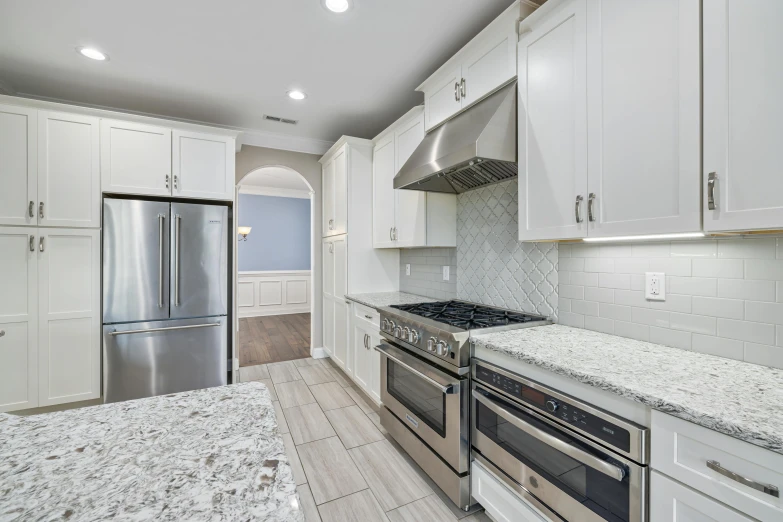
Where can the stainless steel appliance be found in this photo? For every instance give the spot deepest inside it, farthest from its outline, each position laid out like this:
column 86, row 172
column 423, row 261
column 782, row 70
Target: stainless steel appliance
column 425, row 367
column 570, row 460
column 477, row 147
column 165, row 297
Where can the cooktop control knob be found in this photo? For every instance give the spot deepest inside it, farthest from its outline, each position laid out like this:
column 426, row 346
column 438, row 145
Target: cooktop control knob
column 397, row 331
column 413, row 337
column 552, row 406
column 385, row 325
column 406, row 333
column 431, row 344
column 391, row 326
column 442, row 348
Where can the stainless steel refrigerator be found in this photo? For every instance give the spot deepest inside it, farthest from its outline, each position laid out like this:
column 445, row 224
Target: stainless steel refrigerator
column 165, row 298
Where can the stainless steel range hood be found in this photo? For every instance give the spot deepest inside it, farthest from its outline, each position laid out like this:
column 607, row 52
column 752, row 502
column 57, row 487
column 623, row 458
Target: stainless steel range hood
column 476, row 148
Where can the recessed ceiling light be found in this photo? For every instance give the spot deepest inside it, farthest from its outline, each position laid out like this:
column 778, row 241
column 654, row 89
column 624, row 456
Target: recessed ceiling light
column 337, row 6
column 93, row 54
column 296, row 95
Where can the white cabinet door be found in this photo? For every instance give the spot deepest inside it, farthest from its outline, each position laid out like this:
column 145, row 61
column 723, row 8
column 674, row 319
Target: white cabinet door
column 743, row 127
column 361, row 367
column 329, row 325
column 327, row 252
column 328, row 199
column 340, row 267
column 18, row 168
column 69, row 179
column 490, row 63
column 18, row 313
column 375, row 366
column 340, row 187
column 69, row 317
column 135, row 158
column 670, row 501
column 442, row 100
column 203, row 166
column 411, row 205
column 552, row 127
column 341, row 352
column 383, row 173
column 644, row 125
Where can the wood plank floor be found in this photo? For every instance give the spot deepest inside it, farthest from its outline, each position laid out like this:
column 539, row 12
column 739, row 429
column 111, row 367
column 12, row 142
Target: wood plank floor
column 273, row 338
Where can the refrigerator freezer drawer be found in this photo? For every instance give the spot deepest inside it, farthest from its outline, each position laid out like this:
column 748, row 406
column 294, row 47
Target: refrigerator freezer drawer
column 160, row 357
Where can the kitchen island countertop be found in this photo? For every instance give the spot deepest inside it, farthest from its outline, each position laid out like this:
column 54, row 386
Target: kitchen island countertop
column 214, row 454
column 380, row 299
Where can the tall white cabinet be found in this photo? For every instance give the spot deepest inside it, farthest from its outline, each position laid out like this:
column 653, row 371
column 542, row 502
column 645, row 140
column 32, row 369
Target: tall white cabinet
column 18, row 167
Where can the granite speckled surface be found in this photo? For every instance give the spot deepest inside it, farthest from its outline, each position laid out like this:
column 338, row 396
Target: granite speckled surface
column 381, row 299
column 213, row 454
column 739, row 399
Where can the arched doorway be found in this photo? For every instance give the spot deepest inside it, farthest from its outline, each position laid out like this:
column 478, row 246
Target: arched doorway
column 275, row 263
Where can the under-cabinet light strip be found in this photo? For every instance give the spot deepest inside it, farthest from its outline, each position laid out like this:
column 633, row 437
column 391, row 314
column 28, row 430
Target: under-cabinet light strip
column 651, row 237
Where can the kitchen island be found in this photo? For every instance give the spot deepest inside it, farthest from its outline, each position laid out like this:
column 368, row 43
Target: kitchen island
column 212, row 454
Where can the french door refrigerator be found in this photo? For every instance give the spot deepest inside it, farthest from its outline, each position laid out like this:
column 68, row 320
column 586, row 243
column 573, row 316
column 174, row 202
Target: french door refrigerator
column 165, row 281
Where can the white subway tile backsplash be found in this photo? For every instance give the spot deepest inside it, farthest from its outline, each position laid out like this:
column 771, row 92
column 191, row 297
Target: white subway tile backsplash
column 564, row 251
column 571, row 264
column 584, row 307
column 751, row 289
column 601, row 295
column 584, row 278
column 717, row 307
column 631, row 265
column 599, row 324
column 619, row 281
column 673, row 302
column 571, row 292
column 650, row 317
column 564, row 305
column 703, row 248
column 764, row 269
column 747, row 331
column 616, row 312
column 651, row 250
column 762, row 354
column 764, row 312
column 632, row 331
column 614, row 251
column 593, row 264
column 719, row 346
column 704, row 286
column 584, row 250
column 779, row 292
column 726, row 268
column 747, row 248
column 564, row 278
column 571, row 319
column 779, row 335
column 673, row 266
column 693, row 323
column 637, row 281
column 674, row 338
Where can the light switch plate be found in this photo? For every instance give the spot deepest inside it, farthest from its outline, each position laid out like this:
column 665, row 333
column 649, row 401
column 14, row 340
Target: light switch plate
column 446, row 273
column 655, row 286
column 408, row 269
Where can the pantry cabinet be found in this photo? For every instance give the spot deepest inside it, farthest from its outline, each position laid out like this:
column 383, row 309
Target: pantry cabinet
column 335, row 193
column 135, row 158
column 743, row 127
column 407, row 218
column 18, row 169
column 609, row 126
column 335, row 286
column 203, row 166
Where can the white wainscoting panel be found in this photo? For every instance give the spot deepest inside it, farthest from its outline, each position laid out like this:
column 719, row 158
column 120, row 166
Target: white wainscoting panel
column 273, row 293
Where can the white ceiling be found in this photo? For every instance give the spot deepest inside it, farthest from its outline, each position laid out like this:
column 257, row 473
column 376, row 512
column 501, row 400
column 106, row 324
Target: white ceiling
column 228, row 63
column 275, row 177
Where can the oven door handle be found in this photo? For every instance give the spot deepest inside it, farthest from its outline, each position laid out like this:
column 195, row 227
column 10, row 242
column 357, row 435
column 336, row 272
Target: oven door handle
column 610, row 470
column 447, row 389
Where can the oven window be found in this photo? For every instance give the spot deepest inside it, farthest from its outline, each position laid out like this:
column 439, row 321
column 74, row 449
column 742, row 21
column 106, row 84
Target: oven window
column 601, row 494
column 423, row 399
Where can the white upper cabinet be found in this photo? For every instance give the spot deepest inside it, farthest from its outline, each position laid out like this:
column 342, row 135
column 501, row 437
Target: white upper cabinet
column 486, row 63
column 69, row 319
column 135, row 158
column 69, row 181
column 383, row 218
column 644, row 117
column 18, row 313
column 743, row 115
column 410, row 205
column 203, row 166
column 18, row 169
column 553, row 127
column 335, row 194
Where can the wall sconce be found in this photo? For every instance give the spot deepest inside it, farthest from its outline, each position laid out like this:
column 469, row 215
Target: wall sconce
column 244, row 231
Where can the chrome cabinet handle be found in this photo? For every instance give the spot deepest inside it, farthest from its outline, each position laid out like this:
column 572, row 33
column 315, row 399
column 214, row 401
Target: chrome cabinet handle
column 32, row 243
column 711, row 179
column 31, row 209
column 177, row 221
column 368, row 317
column 769, row 489
column 331, row 248
column 167, row 181
column 396, row 237
column 578, row 209
column 331, row 224
column 41, row 245
column 175, row 182
column 456, row 91
column 610, row 470
column 462, row 88
column 161, row 268
column 41, row 209
column 590, row 199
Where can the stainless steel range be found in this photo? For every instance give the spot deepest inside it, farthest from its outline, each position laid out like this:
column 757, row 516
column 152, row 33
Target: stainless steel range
column 425, row 382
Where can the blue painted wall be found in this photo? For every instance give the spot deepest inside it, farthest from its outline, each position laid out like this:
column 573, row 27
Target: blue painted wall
column 280, row 239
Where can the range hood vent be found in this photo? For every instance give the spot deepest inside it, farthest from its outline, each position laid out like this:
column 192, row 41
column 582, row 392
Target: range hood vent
column 476, row 148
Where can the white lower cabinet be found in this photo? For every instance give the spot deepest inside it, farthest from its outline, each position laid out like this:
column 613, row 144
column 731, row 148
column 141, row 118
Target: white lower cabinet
column 341, row 349
column 362, row 372
column 670, row 501
column 364, row 327
column 498, row 500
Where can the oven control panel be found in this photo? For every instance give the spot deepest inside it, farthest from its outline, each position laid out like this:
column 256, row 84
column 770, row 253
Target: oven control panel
column 557, row 407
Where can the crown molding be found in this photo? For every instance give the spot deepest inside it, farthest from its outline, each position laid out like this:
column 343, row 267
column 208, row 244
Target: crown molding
column 276, row 192
column 274, row 140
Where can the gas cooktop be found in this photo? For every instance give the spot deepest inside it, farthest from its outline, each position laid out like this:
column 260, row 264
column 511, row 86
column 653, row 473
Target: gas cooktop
column 468, row 316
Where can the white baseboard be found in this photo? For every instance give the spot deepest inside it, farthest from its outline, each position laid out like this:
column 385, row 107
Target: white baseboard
column 279, row 311
column 319, row 353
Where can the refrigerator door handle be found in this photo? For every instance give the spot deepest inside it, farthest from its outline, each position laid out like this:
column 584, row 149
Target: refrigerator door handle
column 177, row 220
column 167, row 329
column 161, row 268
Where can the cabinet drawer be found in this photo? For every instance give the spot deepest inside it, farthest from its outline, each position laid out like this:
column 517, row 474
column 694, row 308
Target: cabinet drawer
column 670, row 501
column 681, row 450
column 497, row 499
column 368, row 314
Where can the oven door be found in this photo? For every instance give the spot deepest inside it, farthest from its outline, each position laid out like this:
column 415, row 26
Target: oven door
column 572, row 475
column 430, row 402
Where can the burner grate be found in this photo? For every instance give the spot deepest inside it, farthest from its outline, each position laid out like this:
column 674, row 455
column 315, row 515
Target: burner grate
column 468, row 316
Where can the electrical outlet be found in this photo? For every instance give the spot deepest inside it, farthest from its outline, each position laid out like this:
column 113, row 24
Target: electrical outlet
column 408, row 269
column 445, row 273
column 655, row 286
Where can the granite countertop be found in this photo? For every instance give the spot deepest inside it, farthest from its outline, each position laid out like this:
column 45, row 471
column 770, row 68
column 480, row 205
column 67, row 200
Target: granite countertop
column 381, row 299
column 736, row 398
column 213, row 454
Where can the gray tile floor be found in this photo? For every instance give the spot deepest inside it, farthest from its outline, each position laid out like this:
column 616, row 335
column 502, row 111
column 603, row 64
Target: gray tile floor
column 345, row 465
